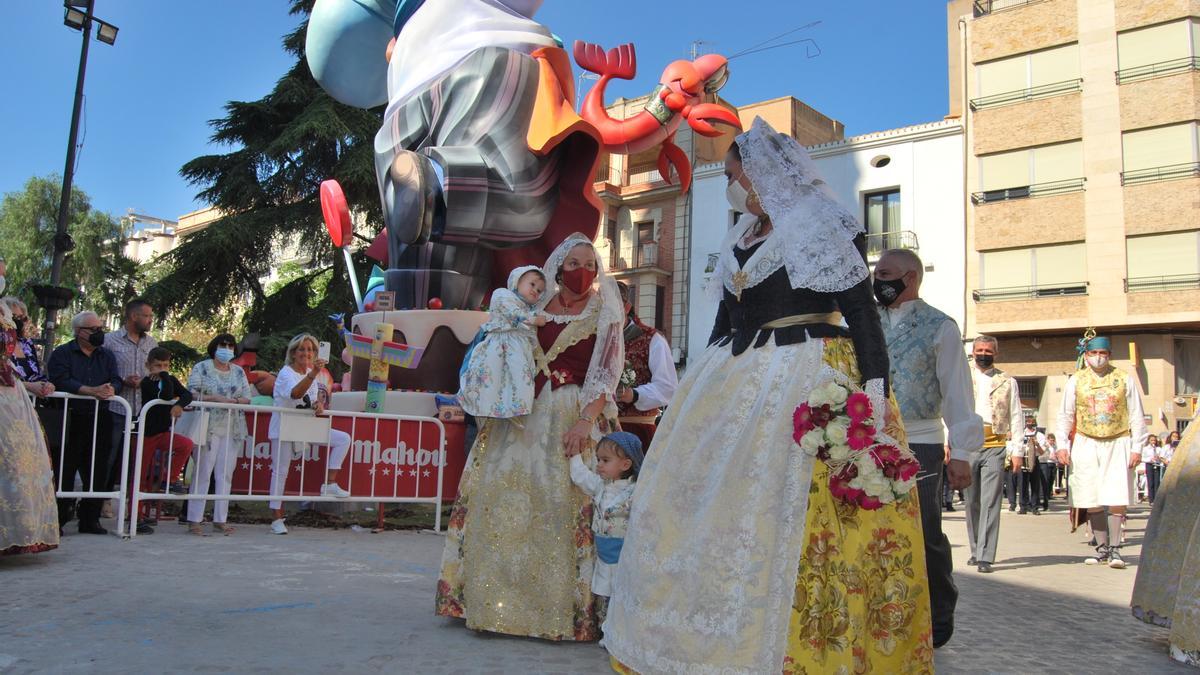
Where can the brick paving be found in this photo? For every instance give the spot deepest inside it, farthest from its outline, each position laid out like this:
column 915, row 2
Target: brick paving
column 339, row 601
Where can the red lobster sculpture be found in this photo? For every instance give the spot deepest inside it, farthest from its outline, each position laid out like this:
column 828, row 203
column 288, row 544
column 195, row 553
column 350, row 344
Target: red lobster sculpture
column 678, row 97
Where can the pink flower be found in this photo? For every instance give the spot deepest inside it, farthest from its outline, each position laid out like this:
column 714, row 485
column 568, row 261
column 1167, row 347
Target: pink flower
column 858, row 406
column 885, row 456
column 908, row 468
column 802, row 421
column 860, row 436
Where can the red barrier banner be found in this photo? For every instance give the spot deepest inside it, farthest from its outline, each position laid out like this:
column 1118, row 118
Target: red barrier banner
column 387, row 458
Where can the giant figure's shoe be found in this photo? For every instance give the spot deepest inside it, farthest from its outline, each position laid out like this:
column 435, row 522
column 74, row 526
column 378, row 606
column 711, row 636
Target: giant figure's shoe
column 410, row 196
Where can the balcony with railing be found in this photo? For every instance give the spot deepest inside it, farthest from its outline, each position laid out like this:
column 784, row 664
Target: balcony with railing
column 1028, row 94
column 645, row 257
column 985, row 7
column 1024, row 191
column 1160, row 173
column 1151, row 70
column 1029, row 292
column 1170, row 282
column 879, row 242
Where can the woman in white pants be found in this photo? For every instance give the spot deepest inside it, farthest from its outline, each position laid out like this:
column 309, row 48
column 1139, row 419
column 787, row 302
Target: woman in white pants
column 216, row 381
column 296, row 386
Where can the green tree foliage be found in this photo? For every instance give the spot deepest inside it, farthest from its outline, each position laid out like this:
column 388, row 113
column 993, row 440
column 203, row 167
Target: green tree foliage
column 281, row 147
column 97, row 270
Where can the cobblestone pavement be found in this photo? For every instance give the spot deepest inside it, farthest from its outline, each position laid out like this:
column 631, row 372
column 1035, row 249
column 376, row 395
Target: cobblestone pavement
column 339, row 601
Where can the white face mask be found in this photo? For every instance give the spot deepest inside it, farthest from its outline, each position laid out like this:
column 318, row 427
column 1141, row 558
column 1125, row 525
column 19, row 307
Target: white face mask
column 3, row 285
column 737, row 195
column 1097, row 361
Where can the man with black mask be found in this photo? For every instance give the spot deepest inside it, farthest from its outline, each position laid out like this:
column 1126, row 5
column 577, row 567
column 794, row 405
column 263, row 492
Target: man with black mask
column 932, row 383
column 998, row 402
column 84, row 367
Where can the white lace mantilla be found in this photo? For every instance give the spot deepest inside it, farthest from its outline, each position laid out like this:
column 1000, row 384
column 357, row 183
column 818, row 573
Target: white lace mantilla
column 812, row 234
column 608, row 356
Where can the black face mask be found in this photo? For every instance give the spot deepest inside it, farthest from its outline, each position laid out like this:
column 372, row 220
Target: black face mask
column 886, row 292
column 96, row 338
column 984, row 360
column 20, row 324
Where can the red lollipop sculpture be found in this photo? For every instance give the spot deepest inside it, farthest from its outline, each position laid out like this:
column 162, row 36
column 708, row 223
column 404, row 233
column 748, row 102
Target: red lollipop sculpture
column 341, row 230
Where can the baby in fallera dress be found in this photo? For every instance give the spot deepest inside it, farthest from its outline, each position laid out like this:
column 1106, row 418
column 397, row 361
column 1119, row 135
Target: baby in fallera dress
column 497, row 375
column 618, row 459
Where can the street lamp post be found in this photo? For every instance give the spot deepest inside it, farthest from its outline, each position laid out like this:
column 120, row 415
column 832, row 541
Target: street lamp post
column 53, row 297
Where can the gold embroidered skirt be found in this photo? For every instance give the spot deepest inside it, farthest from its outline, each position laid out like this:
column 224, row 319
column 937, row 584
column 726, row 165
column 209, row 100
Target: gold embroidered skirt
column 1167, row 590
column 519, row 548
column 28, row 512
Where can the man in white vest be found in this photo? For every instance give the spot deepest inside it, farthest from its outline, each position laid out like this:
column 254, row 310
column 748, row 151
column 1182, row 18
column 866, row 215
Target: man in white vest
column 1104, row 407
column 932, row 383
column 998, row 403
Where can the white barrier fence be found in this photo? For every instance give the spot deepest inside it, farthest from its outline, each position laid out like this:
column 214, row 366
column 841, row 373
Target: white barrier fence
column 372, row 471
column 93, row 417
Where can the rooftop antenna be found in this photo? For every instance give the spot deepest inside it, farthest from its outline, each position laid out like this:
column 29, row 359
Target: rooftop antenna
column 812, row 50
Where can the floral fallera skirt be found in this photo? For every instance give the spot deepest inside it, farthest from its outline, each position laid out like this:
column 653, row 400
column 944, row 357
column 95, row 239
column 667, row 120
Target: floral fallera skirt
column 519, row 548
column 28, row 512
column 780, row 576
column 1167, row 590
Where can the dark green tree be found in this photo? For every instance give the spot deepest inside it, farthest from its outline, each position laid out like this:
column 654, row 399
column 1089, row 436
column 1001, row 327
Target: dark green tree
column 281, row 147
column 97, row 270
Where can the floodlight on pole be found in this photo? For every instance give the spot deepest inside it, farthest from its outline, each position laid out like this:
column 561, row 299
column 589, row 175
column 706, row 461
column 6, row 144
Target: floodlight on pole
column 52, row 297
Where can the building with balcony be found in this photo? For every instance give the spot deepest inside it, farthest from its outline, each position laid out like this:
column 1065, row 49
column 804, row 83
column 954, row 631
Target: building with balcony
column 646, row 236
column 1083, row 169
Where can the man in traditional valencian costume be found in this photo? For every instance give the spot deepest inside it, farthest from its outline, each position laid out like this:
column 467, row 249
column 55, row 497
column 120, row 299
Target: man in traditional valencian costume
column 932, row 383
column 648, row 355
column 998, row 403
column 1104, row 407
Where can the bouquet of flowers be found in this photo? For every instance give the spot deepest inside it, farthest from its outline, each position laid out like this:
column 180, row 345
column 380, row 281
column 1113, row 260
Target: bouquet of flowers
column 837, row 426
column 628, row 377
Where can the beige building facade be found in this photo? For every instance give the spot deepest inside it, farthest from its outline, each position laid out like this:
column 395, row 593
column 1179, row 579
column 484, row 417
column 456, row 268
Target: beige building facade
column 1083, row 172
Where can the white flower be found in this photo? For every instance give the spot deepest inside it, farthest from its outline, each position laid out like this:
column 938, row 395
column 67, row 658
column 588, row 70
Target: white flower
column 836, row 430
column 876, row 484
column 839, row 453
column 831, row 394
column 812, row 441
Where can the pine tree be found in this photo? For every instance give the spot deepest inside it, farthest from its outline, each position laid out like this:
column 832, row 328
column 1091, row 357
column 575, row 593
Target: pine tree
column 282, row 146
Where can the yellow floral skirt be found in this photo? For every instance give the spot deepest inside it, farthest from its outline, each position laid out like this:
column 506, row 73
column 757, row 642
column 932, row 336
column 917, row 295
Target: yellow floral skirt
column 862, row 593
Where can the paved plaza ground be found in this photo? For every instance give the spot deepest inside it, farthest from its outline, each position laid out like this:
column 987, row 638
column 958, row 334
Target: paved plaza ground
column 338, row 601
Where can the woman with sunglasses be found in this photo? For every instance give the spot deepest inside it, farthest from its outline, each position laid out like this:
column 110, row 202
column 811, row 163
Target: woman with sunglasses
column 216, row 380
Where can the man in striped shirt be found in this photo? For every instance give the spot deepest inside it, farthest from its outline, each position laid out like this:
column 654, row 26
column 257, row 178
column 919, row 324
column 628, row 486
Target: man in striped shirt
column 131, row 345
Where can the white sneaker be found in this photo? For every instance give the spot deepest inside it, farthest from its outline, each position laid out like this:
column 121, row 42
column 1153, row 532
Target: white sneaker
column 277, row 526
column 334, row 490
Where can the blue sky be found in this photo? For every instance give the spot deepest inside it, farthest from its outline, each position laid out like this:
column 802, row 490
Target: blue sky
column 882, row 64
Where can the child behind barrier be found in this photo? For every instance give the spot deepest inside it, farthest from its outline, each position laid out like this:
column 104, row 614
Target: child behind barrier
column 161, row 449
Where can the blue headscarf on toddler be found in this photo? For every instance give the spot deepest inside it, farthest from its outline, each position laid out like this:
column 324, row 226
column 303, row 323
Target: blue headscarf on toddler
column 630, row 445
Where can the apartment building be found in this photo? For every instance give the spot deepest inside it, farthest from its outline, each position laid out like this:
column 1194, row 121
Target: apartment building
column 1083, row 168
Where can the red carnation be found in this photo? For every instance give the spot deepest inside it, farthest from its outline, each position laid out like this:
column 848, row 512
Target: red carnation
column 821, row 415
column 802, row 421
column 868, row 502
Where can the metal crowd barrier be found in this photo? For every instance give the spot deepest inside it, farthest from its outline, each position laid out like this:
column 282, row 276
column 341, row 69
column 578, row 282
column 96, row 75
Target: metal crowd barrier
column 366, row 455
column 99, row 407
